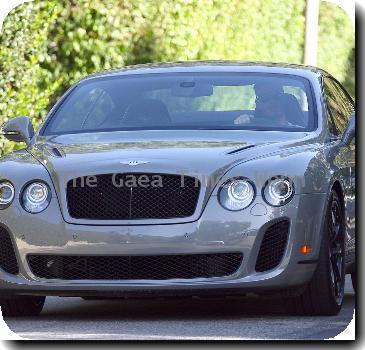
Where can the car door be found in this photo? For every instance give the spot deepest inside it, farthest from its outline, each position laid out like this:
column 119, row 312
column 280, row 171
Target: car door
column 340, row 109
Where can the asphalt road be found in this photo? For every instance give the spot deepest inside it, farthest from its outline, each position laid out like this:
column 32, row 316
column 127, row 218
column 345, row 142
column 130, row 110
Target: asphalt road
column 178, row 319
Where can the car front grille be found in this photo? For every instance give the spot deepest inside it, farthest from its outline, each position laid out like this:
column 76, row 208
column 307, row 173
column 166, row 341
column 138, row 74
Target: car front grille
column 161, row 267
column 8, row 261
column 273, row 246
column 133, row 196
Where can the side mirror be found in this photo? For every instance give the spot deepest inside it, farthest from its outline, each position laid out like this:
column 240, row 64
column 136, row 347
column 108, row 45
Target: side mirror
column 19, row 129
column 350, row 132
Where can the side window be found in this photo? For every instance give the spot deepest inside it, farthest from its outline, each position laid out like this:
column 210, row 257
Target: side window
column 339, row 106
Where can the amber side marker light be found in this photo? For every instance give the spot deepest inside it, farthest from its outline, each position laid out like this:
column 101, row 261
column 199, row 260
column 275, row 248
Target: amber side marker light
column 305, row 249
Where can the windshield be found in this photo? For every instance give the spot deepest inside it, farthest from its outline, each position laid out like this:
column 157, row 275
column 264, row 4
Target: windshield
column 186, row 101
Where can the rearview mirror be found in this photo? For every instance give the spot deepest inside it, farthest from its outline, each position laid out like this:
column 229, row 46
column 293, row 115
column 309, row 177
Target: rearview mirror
column 192, row 89
column 19, row 129
column 350, row 131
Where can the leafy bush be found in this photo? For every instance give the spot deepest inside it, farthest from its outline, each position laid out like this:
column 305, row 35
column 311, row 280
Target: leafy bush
column 25, row 86
column 336, row 52
column 47, row 45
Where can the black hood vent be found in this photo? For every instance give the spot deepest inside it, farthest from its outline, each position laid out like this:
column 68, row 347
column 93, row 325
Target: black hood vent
column 240, row 149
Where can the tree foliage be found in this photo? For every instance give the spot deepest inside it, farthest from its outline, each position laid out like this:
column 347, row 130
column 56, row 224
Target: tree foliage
column 336, row 45
column 47, row 45
column 25, row 87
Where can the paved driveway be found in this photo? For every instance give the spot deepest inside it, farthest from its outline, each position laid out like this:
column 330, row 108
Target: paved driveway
column 186, row 319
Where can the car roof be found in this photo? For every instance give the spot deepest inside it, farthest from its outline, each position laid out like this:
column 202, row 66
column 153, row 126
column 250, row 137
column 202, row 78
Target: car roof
column 213, row 66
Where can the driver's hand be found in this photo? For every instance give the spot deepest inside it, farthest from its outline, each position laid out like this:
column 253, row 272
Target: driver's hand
column 242, row 119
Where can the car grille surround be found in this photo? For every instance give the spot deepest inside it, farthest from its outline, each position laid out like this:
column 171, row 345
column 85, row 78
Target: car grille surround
column 155, row 267
column 273, row 246
column 8, row 260
column 165, row 197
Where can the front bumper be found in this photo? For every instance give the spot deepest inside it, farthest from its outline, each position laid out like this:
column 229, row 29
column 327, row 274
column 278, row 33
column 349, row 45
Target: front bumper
column 216, row 231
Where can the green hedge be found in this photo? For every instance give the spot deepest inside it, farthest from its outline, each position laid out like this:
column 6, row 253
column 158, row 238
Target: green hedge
column 47, row 45
column 336, row 52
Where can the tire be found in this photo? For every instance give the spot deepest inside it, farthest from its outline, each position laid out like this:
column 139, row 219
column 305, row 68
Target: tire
column 354, row 281
column 324, row 293
column 22, row 306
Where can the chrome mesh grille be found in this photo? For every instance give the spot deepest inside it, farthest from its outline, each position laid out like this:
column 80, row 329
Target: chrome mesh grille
column 172, row 196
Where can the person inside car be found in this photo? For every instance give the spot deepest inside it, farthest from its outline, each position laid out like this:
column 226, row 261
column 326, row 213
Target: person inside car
column 274, row 105
column 265, row 98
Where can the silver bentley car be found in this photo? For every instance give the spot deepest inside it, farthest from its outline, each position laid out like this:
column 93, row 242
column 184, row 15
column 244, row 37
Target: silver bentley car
column 183, row 179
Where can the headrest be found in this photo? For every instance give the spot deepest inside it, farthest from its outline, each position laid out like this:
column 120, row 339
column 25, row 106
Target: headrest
column 148, row 112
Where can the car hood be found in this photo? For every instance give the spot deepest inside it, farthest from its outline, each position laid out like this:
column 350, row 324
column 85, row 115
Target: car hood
column 203, row 154
column 190, row 152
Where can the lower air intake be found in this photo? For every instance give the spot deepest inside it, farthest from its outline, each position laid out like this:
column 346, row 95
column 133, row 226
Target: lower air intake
column 134, row 267
column 273, row 246
column 8, row 261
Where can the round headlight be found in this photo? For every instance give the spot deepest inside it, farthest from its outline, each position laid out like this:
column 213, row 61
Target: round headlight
column 36, row 197
column 278, row 191
column 236, row 194
column 7, row 193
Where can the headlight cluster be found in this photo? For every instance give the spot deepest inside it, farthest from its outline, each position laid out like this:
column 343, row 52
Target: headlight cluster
column 278, row 191
column 238, row 193
column 34, row 198
column 7, row 194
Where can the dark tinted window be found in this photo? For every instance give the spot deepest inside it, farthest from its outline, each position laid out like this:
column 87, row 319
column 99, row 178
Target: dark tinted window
column 339, row 106
column 187, row 101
